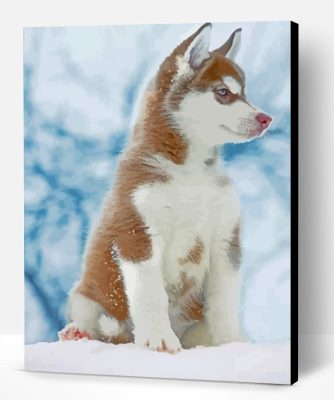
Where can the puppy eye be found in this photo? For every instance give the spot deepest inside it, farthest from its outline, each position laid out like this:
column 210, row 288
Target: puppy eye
column 222, row 92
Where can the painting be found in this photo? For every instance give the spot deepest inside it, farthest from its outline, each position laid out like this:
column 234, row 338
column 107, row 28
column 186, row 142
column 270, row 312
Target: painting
column 161, row 200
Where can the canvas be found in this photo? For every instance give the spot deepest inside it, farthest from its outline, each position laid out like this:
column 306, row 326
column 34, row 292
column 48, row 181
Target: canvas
column 161, row 200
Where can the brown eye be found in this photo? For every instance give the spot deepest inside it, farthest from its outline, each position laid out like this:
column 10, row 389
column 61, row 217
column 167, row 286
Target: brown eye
column 222, row 92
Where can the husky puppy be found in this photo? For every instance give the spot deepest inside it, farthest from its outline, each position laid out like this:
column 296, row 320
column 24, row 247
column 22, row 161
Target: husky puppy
column 161, row 265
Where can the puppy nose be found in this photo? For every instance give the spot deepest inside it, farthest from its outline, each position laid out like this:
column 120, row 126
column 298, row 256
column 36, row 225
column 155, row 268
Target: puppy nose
column 264, row 120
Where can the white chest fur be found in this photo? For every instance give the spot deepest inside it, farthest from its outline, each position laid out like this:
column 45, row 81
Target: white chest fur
column 195, row 203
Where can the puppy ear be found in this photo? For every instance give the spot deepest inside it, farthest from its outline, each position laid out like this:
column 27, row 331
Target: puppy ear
column 230, row 48
column 198, row 49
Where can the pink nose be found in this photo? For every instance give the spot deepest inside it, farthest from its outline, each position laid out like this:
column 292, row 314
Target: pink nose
column 264, row 120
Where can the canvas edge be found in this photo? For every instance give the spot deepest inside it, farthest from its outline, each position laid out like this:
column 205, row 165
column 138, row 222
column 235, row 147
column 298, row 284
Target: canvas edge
column 294, row 32
column 294, row 27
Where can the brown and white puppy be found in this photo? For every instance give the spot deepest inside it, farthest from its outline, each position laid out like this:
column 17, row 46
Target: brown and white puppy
column 161, row 266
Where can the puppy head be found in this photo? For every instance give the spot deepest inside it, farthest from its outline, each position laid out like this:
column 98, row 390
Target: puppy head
column 204, row 92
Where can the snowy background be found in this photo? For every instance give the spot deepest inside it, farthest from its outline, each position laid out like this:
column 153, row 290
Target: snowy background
column 82, row 87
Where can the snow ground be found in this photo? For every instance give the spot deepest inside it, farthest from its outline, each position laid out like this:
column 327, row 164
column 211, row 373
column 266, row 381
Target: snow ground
column 240, row 362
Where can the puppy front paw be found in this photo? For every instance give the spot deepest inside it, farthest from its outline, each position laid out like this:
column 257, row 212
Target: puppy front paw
column 165, row 341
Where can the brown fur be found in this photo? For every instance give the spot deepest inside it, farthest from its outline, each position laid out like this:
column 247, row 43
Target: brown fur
column 102, row 280
column 194, row 310
column 195, row 253
column 228, row 44
column 122, row 338
column 121, row 233
column 216, row 67
column 234, row 248
column 208, row 78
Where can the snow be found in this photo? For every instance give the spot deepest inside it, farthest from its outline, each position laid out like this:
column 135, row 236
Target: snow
column 240, row 362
